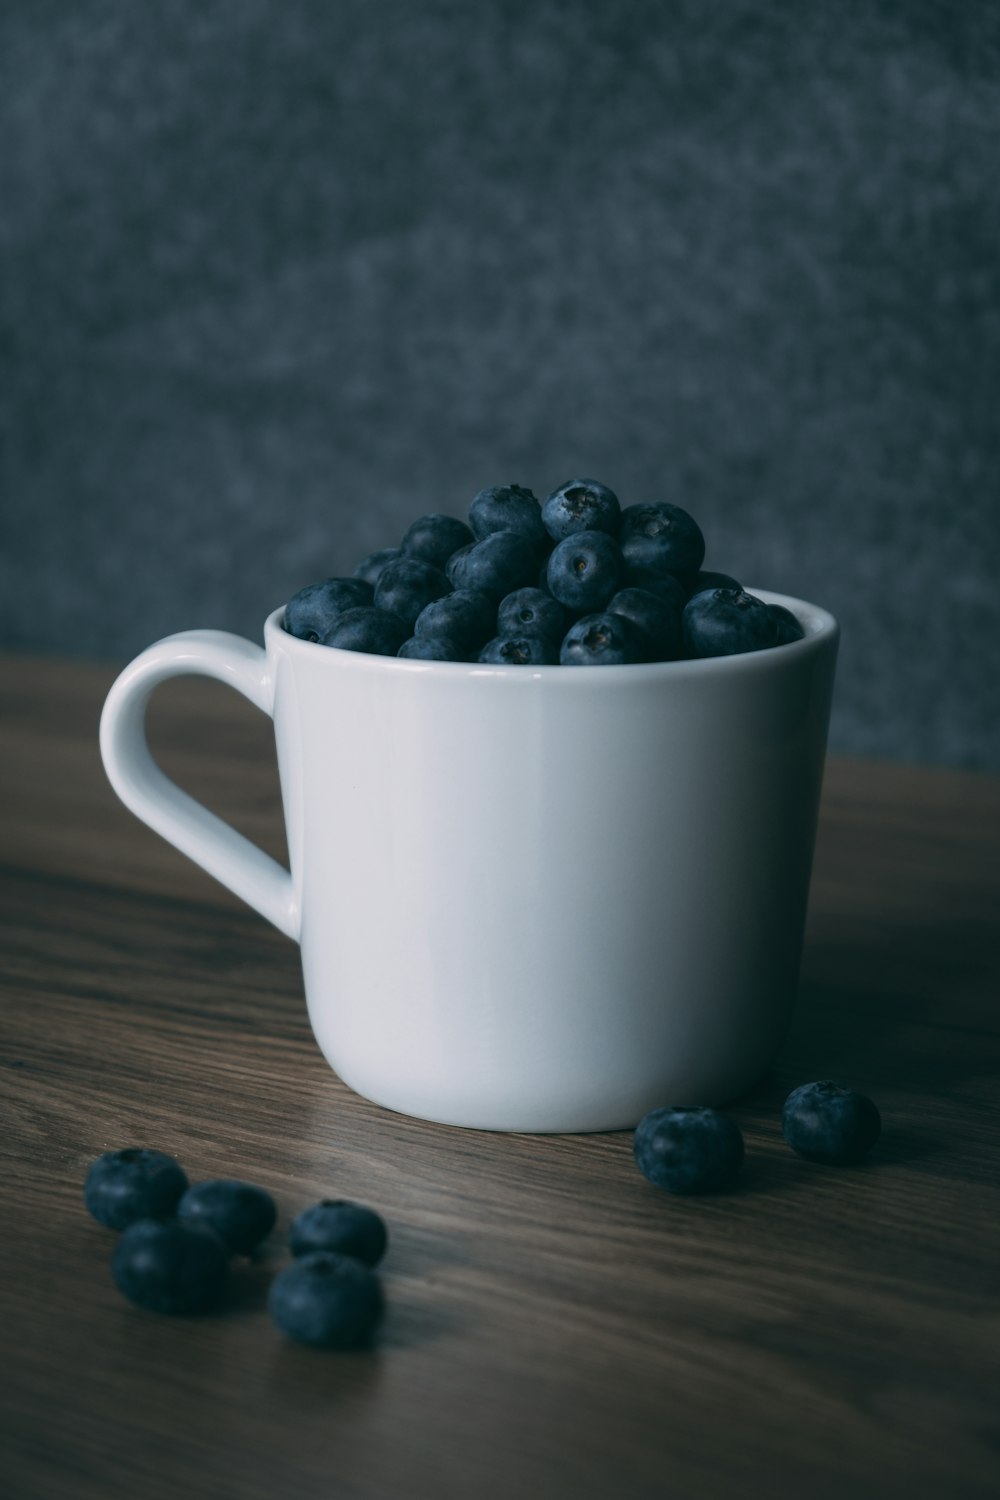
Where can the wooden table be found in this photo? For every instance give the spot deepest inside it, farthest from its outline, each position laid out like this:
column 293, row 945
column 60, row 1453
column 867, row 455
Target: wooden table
column 556, row 1326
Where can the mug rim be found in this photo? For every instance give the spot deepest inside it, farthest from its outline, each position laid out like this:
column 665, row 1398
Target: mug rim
column 820, row 628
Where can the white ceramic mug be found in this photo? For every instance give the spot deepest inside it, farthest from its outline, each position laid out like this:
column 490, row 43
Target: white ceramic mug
column 538, row 899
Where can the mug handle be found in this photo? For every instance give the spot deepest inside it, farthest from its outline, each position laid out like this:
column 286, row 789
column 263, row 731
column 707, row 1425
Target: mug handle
column 232, row 859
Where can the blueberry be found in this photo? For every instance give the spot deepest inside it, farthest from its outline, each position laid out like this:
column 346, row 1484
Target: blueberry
column 339, row 1225
column 664, row 585
column 724, row 622
column 328, row 1300
column 465, row 616
column 456, row 563
column 239, row 1213
column 661, row 539
column 432, row 539
column 585, row 570
column 659, row 621
column 123, row 1186
column 310, row 613
column 170, row 1268
column 688, row 1150
column 789, row 628
column 374, row 630
column 702, row 581
column 605, row 640
column 371, row 568
column 407, row 586
column 499, row 563
column 581, row 505
column 532, row 612
column 521, row 651
column 432, row 648
column 830, row 1123
column 508, row 507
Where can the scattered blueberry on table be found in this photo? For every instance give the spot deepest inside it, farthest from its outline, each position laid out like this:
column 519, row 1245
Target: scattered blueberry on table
column 513, row 585
column 240, row 1213
column 170, row 1266
column 828, row 1122
column 688, row 1150
column 174, row 1253
column 329, row 1300
column 124, row 1186
column 176, row 1243
column 340, row 1225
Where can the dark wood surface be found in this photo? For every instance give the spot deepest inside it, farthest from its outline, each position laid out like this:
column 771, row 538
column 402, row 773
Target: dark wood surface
column 556, row 1326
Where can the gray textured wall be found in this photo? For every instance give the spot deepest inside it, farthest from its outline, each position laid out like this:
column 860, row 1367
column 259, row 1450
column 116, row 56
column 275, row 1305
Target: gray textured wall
column 278, row 275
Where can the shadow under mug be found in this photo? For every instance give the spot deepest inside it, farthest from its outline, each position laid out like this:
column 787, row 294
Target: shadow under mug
column 534, row 899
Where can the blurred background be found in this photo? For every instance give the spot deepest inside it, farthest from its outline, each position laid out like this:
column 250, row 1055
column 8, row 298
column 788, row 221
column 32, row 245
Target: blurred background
column 277, row 276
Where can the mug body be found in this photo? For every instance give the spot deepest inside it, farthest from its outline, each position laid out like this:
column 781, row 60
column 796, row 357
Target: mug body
column 551, row 899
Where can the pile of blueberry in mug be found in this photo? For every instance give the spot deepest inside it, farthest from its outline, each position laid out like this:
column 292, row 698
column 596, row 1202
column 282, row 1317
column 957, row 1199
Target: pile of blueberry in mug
column 576, row 581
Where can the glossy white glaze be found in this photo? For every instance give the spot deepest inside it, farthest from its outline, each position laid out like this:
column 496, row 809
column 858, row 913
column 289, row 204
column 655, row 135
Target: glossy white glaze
column 541, row 899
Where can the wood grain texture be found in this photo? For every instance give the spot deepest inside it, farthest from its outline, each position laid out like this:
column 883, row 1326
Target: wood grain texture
column 556, row 1326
